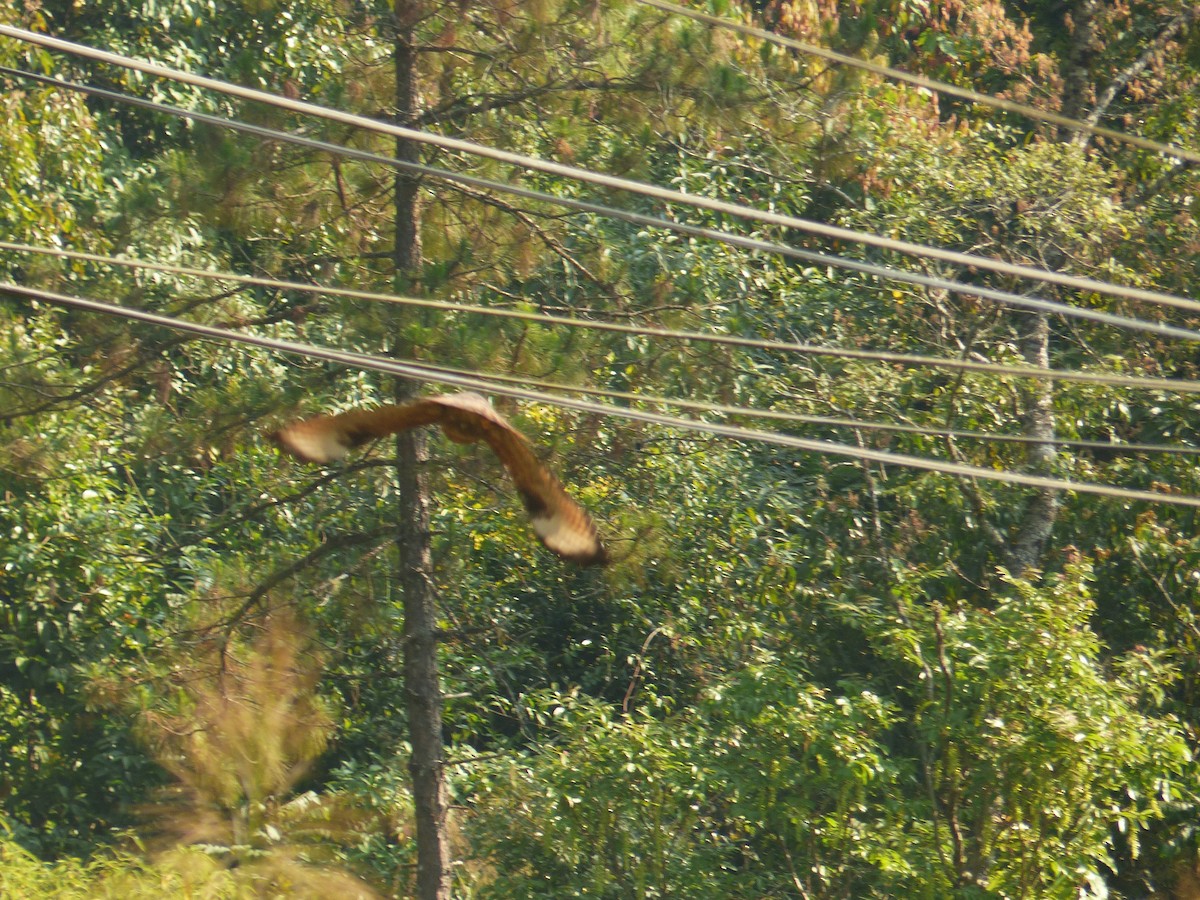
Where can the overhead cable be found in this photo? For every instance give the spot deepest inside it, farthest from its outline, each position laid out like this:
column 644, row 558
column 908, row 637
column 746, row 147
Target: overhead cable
column 648, row 190
column 1136, row 382
column 546, row 319
column 363, row 361
column 931, row 84
column 810, row 419
column 647, row 220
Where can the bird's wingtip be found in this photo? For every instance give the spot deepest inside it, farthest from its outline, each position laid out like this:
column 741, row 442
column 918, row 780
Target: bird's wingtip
column 310, row 441
column 573, row 541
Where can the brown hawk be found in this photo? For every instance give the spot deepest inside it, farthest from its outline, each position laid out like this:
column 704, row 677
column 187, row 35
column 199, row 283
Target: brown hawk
column 559, row 522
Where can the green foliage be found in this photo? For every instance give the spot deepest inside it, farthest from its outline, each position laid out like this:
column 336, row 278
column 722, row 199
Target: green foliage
column 802, row 676
column 802, row 777
column 1000, row 759
column 184, row 874
column 23, row 875
column 610, row 811
column 1039, row 754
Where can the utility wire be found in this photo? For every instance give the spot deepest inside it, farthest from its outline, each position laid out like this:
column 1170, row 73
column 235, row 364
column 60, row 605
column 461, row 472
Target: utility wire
column 1136, row 382
column 1115, row 380
column 642, row 219
column 362, row 361
column 628, row 396
column 808, row 419
column 648, row 190
column 546, row 319
column 268, row 133
column 930, row 84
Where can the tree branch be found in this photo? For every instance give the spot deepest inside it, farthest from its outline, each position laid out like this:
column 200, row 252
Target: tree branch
column 276, row 578
column 1118, row 84
column 457, row 110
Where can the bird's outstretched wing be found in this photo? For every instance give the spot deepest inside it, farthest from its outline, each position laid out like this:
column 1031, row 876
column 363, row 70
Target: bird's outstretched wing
column 323, row 439
column 559, row 522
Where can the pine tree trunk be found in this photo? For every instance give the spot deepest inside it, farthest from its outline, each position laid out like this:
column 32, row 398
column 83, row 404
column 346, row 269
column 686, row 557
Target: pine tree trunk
column 423, row 698
column 422, row 692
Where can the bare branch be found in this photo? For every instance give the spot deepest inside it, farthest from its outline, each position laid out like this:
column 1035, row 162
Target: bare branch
column 1153, row 49
column 276, row 578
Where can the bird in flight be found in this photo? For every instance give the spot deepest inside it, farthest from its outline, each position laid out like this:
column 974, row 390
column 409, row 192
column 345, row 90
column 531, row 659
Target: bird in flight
column 560, row 523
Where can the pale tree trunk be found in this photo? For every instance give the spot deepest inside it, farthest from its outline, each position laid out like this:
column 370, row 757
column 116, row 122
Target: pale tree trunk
column 1025, row 549
column 1152, row 49
column 422, row 692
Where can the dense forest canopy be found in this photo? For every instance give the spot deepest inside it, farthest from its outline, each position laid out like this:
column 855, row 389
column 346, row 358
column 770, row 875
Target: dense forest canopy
column 857, row 637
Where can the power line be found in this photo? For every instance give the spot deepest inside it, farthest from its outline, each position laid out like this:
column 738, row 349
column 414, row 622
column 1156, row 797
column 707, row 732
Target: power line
column 363, row 361
column 1113, row 380
column 637, row 187
column 629, row 396
column 1186, row 386
column 930, row 84
column 641, row 219
column 808, row 419
column 1152, row 383
column 546, row 319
